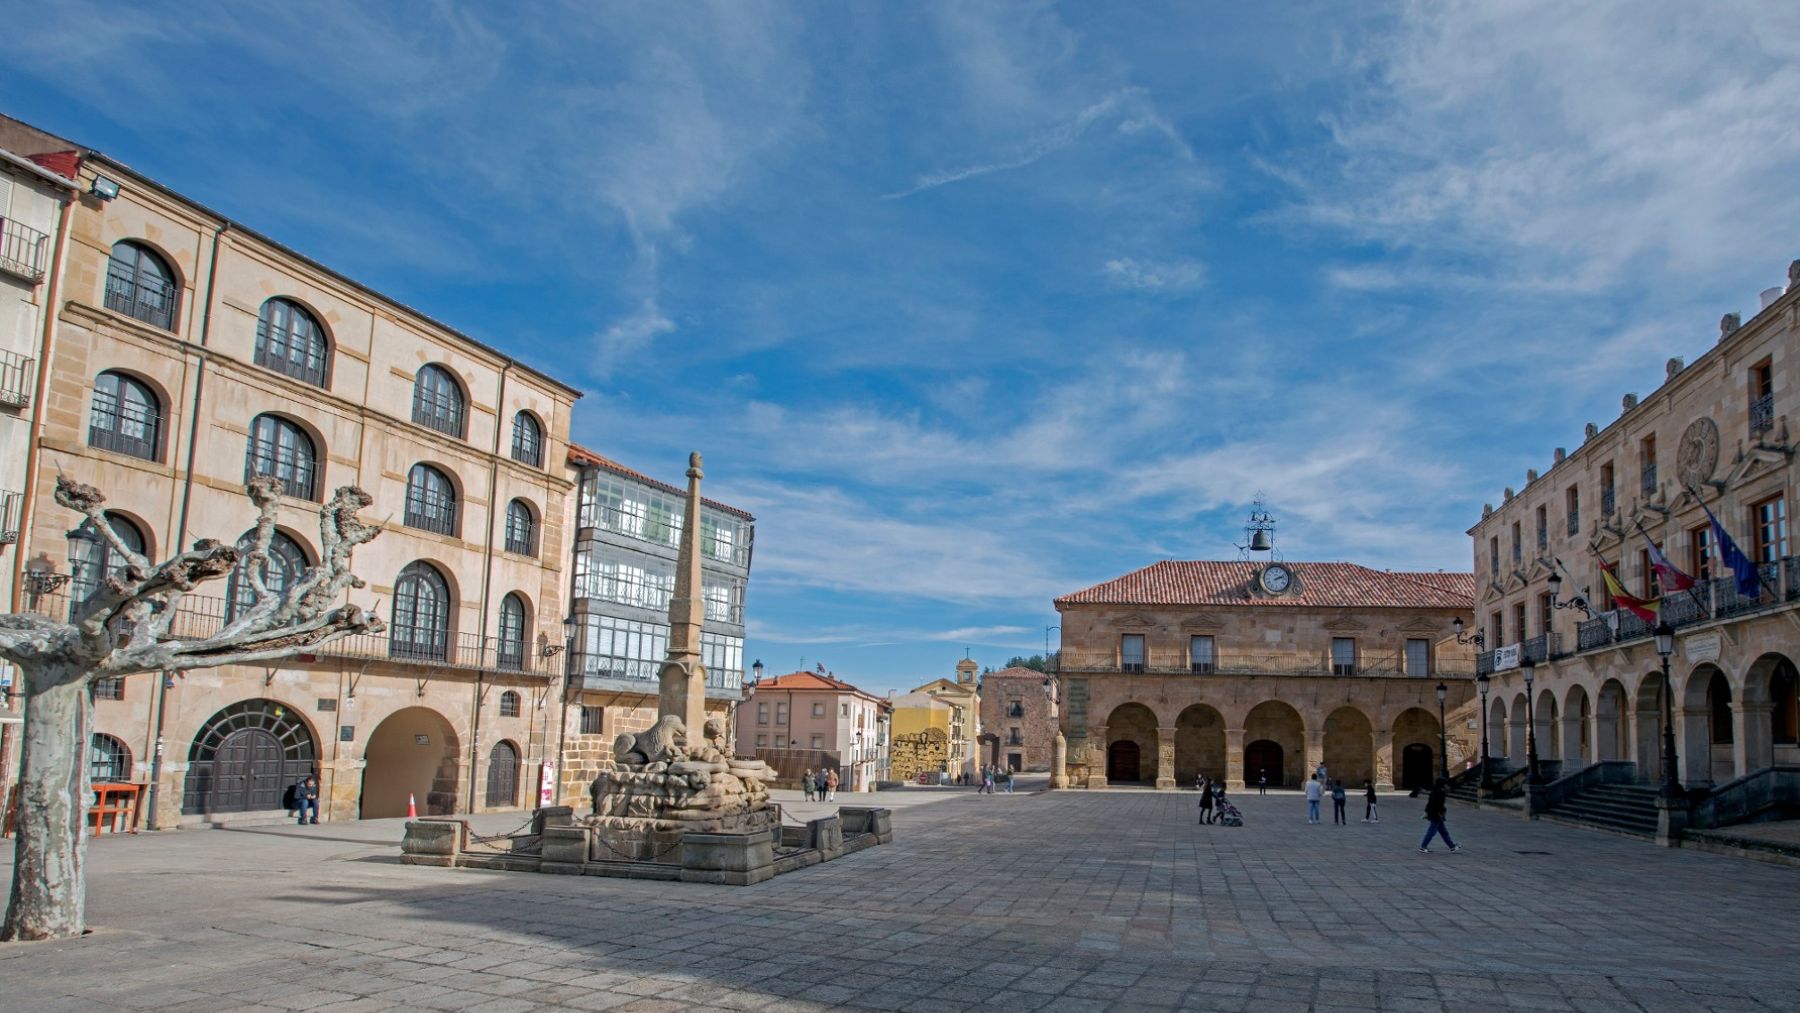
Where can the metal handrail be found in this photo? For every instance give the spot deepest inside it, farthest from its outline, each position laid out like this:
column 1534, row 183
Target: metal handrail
column 22, row 250
column 1227, row 662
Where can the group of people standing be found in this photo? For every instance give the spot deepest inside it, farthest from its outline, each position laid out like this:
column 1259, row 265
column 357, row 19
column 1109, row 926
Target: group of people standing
column 1320, row 786
column 820, row 786
column 992, row 775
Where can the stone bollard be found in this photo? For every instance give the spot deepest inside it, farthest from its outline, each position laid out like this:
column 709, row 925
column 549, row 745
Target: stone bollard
column 432, row 842
column 730, row 859
column 563, row 850
column 1059, row 762
column 871, row 820
column 1671, row 820
column 552, row 816
column 826, row 835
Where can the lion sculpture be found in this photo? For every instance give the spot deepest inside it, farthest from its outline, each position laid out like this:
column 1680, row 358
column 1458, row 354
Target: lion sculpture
column 652, row 745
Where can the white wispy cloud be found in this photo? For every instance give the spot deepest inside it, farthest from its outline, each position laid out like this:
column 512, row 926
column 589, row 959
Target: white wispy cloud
column 1154, row 276
column 628, row 338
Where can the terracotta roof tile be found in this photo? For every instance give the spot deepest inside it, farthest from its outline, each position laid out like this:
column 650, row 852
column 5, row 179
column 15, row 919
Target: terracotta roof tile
column 1322, row 585
column 1016, row 673
column 813, row 681
column 583, row 457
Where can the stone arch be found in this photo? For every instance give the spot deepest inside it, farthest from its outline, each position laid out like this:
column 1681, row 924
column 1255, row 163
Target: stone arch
column 1131, row 744
column 1349, row 743
column 245, row 755
column 1199, row 744
column 1515, row 728
column 1612, row 731
column 1275, row 740
column 1771, row 706
column 1577, row 726
column 1497, row 742
column 1549, row 726
column 1706, row 722
column 1416, row 736
column 1648, row 720
column 412, row 752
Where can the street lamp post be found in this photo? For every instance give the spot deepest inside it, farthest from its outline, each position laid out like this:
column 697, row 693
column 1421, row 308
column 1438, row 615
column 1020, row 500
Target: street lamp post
column 1665, row 646
column 1443, row 734
column 1481, row 684
column 1529, row 668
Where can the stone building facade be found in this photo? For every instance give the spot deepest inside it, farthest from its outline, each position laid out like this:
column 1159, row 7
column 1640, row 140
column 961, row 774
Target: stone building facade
column 627, row 529
column 1240, row 669
column 189, row 352
column 1718, row 435
column 818, row 714
column 1018, row 720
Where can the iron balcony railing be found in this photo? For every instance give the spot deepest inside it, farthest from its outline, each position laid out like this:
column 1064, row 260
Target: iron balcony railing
column 1574, row 522
column 1536, row 650
column 520, row 542
column 429, row 511
column 1649, row 478
column 200, row 616
column 125, row 429
column 16, row 376
column 293, row 470
column 12, row 504
column 602, row 671
column 1227, row 662
column 1708, row 600
column 24, row 251
column 290, row 355
column 1607, row 502
column 434, row 410
column 1762, row 414
column 527, row 446
column 146, row 299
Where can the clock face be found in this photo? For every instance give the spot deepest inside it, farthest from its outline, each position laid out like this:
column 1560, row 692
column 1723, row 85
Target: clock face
column 1698, row 453
column 1276, row 578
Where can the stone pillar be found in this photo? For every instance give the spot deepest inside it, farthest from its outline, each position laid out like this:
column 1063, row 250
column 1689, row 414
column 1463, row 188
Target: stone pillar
column 1693, row 743
column 1096, row 777
column 1752, row 745
column 1381, row 744
column 340, row 783
column 1234, row 759
column 1059, row 761
column 1671, row 821
column 1315, row 755
column 1165, row 758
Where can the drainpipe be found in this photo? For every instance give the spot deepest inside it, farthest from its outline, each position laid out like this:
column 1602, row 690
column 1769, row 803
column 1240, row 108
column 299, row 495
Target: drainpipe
column 487, row 577
column 165, row 680
column 562, row 730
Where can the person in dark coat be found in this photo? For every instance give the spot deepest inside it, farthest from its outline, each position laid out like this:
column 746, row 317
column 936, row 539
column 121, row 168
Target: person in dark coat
column 1206, row 801
column 306, row 799
column 1434, row 816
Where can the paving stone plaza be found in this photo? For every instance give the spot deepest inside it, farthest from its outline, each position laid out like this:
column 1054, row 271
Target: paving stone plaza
column 1056, row 901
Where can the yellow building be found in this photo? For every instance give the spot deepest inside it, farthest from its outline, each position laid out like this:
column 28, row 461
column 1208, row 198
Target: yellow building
column 963, row 695
column 921, row 735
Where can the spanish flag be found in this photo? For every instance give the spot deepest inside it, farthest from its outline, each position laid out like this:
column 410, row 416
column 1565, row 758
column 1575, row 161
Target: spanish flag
column 1642, row 608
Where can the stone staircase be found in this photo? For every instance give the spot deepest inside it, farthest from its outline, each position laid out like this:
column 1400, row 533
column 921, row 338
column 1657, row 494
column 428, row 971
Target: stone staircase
column 1620, row 808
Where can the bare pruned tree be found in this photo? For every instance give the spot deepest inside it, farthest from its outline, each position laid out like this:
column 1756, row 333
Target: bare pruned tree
column 124, row 629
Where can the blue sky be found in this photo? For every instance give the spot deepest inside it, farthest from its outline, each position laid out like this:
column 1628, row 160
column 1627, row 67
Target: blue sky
column 978, row 304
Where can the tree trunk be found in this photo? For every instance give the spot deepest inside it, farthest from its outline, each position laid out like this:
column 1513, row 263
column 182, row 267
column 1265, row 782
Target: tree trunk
column 48, row 894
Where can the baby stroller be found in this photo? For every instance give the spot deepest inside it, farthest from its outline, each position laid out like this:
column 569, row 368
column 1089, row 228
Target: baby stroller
column 1229, row 815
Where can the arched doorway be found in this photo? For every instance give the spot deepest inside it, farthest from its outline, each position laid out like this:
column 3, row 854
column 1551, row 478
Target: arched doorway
column 1416, row 736
column 1418, row 768
column 1771, row 713
column 503, row 776
column 1578, row 716
column 1516, row 720
column 1280, row 724
column 243, row 758
column 1122, row 761
column 1199, row 744
column 413, row 753
column 1612, row 737
column 1349, row 747
column 1649, row 721
column 1497, row 742
column 1263, row 758
column 1131, row 725
column 1705, row 727
column 1549, row 742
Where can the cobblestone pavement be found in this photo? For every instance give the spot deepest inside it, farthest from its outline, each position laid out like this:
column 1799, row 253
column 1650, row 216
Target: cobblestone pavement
column 1057, row 901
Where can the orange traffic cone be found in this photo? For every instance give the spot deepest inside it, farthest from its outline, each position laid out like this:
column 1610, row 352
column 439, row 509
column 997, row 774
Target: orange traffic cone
column 412, row 807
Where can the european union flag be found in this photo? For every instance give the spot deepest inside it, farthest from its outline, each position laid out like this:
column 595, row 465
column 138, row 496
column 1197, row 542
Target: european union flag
column 1749, row 582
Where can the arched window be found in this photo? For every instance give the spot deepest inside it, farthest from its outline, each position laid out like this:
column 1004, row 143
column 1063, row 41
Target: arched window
column 438, row 401
column 511, row 649
column 109, row 760
column 289, row 340
column 140, row 284
column 92, row 557
column 286, row 562
column 281, row 449
column 509, row 704
column 430, row 500
column 528, row 440
column 126, row 417
column 421, row 627
column 521, row 528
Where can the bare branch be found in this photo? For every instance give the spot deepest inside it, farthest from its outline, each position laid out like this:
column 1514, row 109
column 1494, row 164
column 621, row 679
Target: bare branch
column 26, row 638
column 260, row 645
column 87, row 501
column 100, row 625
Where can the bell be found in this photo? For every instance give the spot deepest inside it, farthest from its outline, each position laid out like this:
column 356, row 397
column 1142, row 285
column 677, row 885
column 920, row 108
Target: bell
column 1259, row 541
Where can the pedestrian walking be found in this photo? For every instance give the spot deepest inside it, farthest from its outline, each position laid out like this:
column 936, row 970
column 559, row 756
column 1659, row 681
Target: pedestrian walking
column 1337, row 804
column 820, row 782
column 1206, row 801
column 1369, row 801
column 1009, row 781
column 1323, row 780
column 1262, row 782
column 831, row 785
column 1434, row 816
column 1314, row 792
column 987, row 780
column 306, row 799
column 806, row 784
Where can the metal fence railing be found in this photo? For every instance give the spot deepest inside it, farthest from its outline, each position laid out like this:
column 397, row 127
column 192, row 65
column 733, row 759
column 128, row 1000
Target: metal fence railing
column 16, row 376
column 24, row 251
column 1228, row 662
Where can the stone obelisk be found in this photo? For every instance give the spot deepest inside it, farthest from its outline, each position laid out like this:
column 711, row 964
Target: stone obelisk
column 681, row 686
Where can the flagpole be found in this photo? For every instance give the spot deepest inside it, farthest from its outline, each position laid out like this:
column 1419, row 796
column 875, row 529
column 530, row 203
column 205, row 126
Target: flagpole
column 1692, row 582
